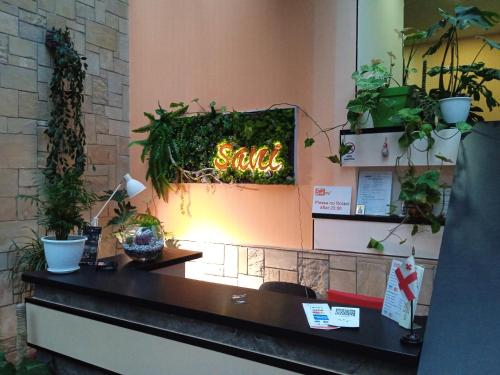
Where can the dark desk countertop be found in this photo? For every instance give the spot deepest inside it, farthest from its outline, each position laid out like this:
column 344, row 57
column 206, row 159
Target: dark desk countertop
column 169, row 257
column 266, row 312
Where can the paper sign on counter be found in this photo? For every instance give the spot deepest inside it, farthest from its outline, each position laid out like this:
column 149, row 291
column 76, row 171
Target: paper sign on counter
column 345, row 317
column 318, row 315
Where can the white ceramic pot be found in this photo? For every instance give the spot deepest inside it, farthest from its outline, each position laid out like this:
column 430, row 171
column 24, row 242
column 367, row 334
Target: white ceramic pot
column 63, row 256
column 455, row 109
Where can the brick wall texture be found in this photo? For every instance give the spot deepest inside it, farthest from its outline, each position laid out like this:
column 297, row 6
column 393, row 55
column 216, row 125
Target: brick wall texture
column 249, row 267
column 99, row 29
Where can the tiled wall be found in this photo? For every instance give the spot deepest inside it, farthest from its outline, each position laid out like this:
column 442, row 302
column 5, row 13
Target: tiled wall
column 99, row 29
column 321, row 270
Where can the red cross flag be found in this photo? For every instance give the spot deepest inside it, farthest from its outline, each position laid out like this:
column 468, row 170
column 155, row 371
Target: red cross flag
column 407, row 278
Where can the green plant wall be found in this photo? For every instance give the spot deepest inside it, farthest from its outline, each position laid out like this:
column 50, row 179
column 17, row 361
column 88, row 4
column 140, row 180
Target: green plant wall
column 181, row 146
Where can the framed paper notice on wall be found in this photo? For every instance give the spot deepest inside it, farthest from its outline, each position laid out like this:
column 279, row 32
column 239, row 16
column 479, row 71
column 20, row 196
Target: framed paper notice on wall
column 374, row 192
column 332, row 200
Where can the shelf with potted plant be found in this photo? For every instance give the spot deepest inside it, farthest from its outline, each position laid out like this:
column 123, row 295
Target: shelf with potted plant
column 465, row 82
column 421, row 123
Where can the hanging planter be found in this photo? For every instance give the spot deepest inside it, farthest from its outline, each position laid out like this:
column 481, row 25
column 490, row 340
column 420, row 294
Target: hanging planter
column 455, row 109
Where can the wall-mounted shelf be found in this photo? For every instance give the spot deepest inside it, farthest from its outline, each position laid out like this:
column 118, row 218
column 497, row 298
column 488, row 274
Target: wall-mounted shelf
column 367, row 148
column 353, row 232
column 377, row 219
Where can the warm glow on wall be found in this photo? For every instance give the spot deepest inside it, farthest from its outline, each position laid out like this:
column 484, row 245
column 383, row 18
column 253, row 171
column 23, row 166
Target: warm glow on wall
column 257, row 159
column 206, row 231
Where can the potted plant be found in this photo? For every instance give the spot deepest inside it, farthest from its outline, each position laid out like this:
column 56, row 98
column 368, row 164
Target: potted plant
column 60, row 202
column 464, row 82
column 375, row 97
column 28, row 366
column 62, row 195
column 374, row 94
column 140, row 234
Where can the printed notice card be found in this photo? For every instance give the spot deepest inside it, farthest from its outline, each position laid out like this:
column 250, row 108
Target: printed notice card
column 318, row 315
column 395, row 306
column 345, row 317
column 332, row 200
column 374, row 192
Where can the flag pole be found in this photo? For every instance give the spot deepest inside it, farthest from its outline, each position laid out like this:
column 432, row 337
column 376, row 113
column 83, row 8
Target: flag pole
column 412, row 338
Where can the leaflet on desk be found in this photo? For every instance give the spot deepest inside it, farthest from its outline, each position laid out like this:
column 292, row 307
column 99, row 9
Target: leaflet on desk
column 320, row 316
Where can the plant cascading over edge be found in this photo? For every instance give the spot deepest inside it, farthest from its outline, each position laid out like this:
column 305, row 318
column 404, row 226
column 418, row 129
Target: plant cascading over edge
column 65, row 131
column 421, row 121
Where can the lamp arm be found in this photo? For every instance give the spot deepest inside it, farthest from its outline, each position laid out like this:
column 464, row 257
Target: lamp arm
column 95, row 220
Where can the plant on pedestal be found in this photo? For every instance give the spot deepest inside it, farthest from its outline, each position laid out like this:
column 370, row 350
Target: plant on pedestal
column 464, row 82
column 61, row 193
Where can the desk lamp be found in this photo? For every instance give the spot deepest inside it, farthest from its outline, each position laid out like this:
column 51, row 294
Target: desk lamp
column 133, row 188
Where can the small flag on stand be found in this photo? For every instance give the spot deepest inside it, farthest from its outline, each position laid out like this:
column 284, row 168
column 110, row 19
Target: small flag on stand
column 408, row 285
column 407, row 278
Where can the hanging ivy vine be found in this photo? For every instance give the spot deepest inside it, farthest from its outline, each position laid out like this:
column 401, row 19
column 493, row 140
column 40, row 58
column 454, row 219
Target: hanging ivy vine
column 63, row 196
column 65, row 131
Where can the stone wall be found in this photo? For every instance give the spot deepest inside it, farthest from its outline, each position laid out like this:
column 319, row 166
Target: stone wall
column 321, row 270
column 99, row 29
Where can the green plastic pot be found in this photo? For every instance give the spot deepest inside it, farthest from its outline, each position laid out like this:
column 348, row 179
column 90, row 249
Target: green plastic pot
column 392, row 99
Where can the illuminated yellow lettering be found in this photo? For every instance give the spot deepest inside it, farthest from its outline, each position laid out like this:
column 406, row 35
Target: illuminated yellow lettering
column 257, row 159
column 274, row 154
column 238, row 162
column 261, row 156
column 223, row 159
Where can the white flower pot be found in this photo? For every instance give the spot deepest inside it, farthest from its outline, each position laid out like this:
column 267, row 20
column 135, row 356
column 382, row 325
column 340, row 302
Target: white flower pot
column 455, row 109
column 63, row 256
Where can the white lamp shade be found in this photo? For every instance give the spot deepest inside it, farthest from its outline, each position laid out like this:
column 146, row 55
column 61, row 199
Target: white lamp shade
column 133, row 187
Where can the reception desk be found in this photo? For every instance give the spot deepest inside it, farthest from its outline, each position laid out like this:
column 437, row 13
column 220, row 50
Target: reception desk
column 143, row 321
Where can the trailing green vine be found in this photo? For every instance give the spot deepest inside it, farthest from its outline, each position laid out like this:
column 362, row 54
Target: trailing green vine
column 181, row 146
column 65, row 131
column 421, row 120
column 62, row 195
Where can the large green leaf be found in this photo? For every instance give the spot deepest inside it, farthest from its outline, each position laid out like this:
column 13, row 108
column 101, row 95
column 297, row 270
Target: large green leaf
column 435, row 225
column 467, row 16
column 344, row 149
column 374, row 244
column 308, row 142
column 463, row 127
column 334, row 159
column 429, row 178
column 492, row 43
column 443, row 158
column 371, row 77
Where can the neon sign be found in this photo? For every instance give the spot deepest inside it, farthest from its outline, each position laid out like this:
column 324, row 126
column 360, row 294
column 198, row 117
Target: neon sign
column 257, row 159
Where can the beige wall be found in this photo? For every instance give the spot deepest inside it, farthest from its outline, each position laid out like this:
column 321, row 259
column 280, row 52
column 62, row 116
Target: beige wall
column 468, row 50
column 246, row 54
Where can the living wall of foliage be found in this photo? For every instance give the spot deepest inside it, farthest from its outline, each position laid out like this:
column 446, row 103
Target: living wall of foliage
column 180, row 145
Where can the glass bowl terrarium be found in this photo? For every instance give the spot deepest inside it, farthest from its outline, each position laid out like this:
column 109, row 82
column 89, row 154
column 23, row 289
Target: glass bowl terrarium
column 143, row 243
